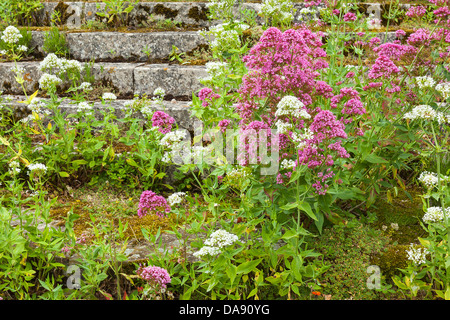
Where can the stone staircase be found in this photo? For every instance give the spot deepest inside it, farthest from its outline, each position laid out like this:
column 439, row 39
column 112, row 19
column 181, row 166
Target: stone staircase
column 120, row 61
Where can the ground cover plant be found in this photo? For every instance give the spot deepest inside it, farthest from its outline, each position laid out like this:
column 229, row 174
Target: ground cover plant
column 317, row 166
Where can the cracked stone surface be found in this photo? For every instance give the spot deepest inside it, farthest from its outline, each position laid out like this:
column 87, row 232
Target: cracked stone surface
column 191, row 13
column 127, row 79
column 176, row 80
column 104, row 46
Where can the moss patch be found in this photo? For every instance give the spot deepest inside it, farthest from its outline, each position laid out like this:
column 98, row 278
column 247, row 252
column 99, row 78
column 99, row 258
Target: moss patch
column 164, row 11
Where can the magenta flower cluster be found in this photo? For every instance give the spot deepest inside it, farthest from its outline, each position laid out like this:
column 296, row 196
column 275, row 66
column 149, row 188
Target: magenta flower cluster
column 281, row 63
column 207, row 95
column 154, row 275
column 150, row 202
column 163, row 121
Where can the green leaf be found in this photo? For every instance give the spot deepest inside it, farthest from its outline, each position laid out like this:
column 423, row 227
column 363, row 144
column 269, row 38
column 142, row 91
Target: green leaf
column 248, row 266
column 63, row 174
column 372, row 158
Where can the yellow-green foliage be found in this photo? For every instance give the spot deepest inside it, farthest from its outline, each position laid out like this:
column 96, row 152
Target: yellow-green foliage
column 391, row 260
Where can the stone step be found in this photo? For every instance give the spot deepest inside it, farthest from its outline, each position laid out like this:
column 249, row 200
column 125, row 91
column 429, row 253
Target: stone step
column 122, row 46
column 126, row 79
column 76, row 14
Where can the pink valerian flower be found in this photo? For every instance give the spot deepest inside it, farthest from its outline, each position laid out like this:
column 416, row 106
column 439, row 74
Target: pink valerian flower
column 395, row 50
column 250, row 138
column 442, row 12
column 373, row 85
column 327, row 127
column 349, row 16
column 400, row 33
column 154, row 275
column 336, row 12
column 207, row 95
column 383, row 68
column 150, row 202
column 350, row 75
column 280, row 64
column 422, row 37
column 163, row 121
column 223, row 125
column 416, row 12
column 374, row 41
column 352, row 106
column 320, row 184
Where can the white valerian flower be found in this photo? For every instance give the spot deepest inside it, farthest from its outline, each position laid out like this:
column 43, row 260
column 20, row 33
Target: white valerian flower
column 37, row 167
column 109, row 96
column 207, row 251
column 417, row 254
column 424, row 112
column 160, row 92
column 19, row 71
column 172, row 138
column 85, row 108
column 47, row 81
column 11, row 35
column 14, row 167
column 85, row 86
column 435, row 214
column 36, row 106
column 301, row 139
column 291, row 106
column 175, row 198
column 444, row 89
column 51, row 62
column 283, row 127
column 288, row 164
column 220, row 9
column 216, row 69
column 22, row 48
column 220, row 239
column 430, row 179
column 425, row 82
column 278, row 10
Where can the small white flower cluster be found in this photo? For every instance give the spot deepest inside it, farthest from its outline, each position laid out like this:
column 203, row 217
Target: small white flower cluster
column 48, row 81
column 426, row 112
column 301, row 138
column 60, row 66
column 444, row 89
column 176, row 198
column 174, row 142
column 11, row 35
column 220, row 9
column 37, row 167
column 287, row 164
column 85, row 86
column 36, row 106
column 215, row 70
column 85, row 108
column 430, row 179
column 172, row 138
column 283, row 127
column 19, row 71
column 109, row 96
column 435, row 214
column 159, row 92
column 425, row 82
column 14, row 167
column 281, row 11
column 291, row 106
column 223, row 37
column 218, row 240
column 417, row 254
